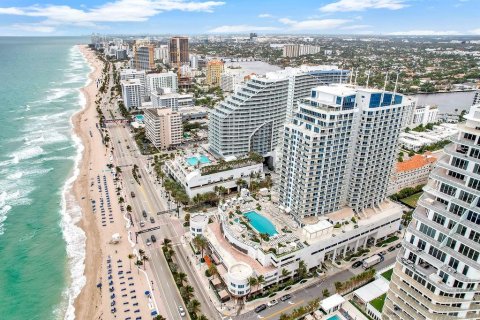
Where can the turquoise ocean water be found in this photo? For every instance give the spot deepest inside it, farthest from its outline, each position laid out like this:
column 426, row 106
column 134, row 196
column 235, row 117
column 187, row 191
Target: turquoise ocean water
column 41, row 249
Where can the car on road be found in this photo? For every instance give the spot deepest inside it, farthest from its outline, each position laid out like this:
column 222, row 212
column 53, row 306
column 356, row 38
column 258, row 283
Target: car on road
column 357, row 264
column 272, row 303
column 181, row 311
column 399, row 245
column 260, row 308
column 131, row 181
column 132, row 194
column 148, row 242
column 142, row 223
column 144, row 213
column 286, row 297
column 152, row 220
column 392, row 248
column 154, row 239
column 382, row 253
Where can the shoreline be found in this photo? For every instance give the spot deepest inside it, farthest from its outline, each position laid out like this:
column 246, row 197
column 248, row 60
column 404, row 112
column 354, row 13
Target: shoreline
column 88, row 300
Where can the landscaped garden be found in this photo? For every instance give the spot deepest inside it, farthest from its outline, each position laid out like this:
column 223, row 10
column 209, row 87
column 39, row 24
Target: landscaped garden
column 378, row 303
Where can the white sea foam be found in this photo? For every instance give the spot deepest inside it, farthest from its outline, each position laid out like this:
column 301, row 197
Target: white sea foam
column 27, row 153
column 73, row 235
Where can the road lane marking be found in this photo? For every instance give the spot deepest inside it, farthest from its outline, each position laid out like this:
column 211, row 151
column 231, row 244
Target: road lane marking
column 282, row 310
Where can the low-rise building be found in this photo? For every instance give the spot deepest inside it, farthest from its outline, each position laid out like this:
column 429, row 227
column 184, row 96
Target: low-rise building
column 199, row 172
column 163, row 127
column 423, row 115
column 412, row 172
column 165, row 98
column 235, row 237
column 414, row 140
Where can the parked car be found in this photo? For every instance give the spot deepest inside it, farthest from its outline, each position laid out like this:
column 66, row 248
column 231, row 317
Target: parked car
column 272, row 303
column 286, row 297
column 357, row 264
column 144, row 213
column 181, row 311
column 142, row 223
column 132, row 194
column 399, row 245
column 149, row 242
column 382, row 253
column 153, row 238
column 392, row 248
column 260, row 308
column 152, row 220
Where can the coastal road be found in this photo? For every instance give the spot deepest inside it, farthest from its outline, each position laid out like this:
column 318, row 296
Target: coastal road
column 303, row 296
column 151, row 198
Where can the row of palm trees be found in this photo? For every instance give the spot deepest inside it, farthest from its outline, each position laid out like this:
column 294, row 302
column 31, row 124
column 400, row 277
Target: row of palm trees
column 181, row 280
column 355, row 281
column 312, row 306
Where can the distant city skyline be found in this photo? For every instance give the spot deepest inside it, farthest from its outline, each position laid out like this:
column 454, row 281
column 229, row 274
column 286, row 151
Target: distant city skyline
column 385, row 17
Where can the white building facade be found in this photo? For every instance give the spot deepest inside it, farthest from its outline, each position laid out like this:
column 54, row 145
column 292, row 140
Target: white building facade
column 437, row 272
column 155, row 81
column 132, row 93
column 250, row 120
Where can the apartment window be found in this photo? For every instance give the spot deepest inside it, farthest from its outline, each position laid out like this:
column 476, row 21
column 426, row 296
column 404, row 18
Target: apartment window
column 456, row 175
column 461, row 229
column 476, row 168
column 474, row 184
column 456, row 209
column 438, row 219
column 468, row 252
column 466, row 197
column 447, row 189
column 469, row 136
column 473, row 217
column 475, row 153
column 475, row 236
column 427, row 230
column 453, row 263
column 459, row 163
column 437, row 254
column 465, row 270
column 421, row 244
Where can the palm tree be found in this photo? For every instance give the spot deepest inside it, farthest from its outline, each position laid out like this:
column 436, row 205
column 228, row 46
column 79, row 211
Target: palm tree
column 213, row 270
column 181, row 277
column 302, row 269
column 159, row 317
column 252, row 282
column 202, row 317
column 130, row 257
column 260, row 280
column 285, row 273
column 129, row 208
column 201, row 243
column 193, row 306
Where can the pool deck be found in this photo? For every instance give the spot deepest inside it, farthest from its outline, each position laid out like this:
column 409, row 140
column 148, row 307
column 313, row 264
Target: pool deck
column 229, row 253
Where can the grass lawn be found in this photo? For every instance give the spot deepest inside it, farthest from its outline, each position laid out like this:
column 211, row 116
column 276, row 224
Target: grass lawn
column 388, row 274
column 412, row 200
column 377, row 303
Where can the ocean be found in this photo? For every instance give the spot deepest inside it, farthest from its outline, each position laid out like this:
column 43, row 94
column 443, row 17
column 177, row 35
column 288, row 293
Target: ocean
column 41, row 249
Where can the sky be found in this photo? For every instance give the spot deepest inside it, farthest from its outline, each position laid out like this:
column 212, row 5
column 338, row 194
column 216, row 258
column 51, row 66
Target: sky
column 386, row 17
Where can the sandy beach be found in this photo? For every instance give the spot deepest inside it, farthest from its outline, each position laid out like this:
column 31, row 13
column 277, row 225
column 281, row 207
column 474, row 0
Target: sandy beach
column 90, row 295
column 110, row 264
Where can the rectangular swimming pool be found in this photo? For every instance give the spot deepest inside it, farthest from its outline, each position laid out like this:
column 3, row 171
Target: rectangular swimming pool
column 335, row 317
column 260, row 223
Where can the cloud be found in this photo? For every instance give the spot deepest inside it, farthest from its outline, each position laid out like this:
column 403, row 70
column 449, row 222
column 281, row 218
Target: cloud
column 33, row 27
column 360, row 5
column 115, row 11
column 425, row 33
column 324, row 24
column 356, row 27
column 265, row 15
column 240, row 28
column 475, row 31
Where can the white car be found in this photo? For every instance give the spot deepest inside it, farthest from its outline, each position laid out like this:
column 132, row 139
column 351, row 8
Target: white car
column 181, row 311
column 149, row 242
column 272, row 303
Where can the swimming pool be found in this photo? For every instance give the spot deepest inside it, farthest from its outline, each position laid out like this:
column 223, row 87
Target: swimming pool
column 139, row 117
column 335, row 317
column 193, row 161
column 260, row 223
